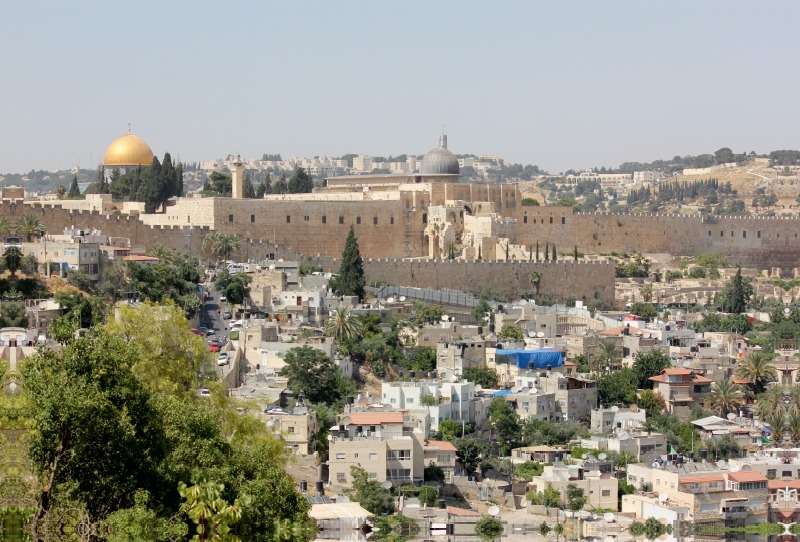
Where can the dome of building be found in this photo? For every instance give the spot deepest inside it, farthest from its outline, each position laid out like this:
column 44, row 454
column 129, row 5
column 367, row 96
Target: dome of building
column 439, row 161
column 128, row 150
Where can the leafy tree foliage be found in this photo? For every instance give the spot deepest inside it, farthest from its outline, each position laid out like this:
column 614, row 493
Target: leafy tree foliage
column 74, row 191
column 618, row 386
column 428, row 495
column 313, row 373
column 480, row 375
column 576, row 497
column 652, row 403
column 550, row 497
column 489, row 528
column 13, row 314
column 421, row 358
column 427, row 313
column 528, row 470
column 469, row 453
column 511, row 332
column 153, row 185
column 350, row 280
column 370, row 495
column 247, row 188
column 648, row 364
column 505, row 423
column 645, row 310
column 481, row 312
column 434, row 473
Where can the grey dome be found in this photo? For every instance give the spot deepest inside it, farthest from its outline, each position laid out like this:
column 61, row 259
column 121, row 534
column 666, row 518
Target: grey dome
column 439, row 161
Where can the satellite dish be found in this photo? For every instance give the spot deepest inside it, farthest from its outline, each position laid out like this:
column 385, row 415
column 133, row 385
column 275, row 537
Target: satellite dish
column 731, row 416
column 402, row 298
column 387, row 485
column 445, row 318
column 608, row 516
column 478, row 387
column 344, row 420
column 452, row 378
column 721, row 463
column 493, row 510
column 687, row 363
column 270, row 382
column 646, row 336
column 662, row 497
column 531, row 334
column 585, row 456
column 654, row 465
column 615, row 408
column 540, row 334
column 390, row 300
column 594, row 516
column 602, row 457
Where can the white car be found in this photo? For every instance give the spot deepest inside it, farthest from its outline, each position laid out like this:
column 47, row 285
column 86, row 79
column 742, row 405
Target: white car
column 223, row 299
column 205, row 392
column 222, row 359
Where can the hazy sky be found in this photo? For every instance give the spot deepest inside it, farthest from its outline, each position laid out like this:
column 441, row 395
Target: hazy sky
column 557, row 84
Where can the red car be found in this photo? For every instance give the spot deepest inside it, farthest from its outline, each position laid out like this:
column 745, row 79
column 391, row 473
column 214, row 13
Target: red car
column 198, row 332
column 213, row 347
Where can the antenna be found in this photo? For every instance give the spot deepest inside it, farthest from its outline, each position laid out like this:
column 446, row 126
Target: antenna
column 602, row 457
column 493, row 510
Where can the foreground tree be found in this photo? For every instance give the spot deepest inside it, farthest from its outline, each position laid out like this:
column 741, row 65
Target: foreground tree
column 489, row 529
column 351, row 279
column 342, row 324
column 312, row 373
column 30, row 226
column 758, row 369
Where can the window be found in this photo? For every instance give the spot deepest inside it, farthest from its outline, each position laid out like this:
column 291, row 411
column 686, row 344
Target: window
column 771, row 472
column 786, row 474
column 551, row 220
column 731, row 234
column 339, row 456
column 424, row 218
column 605, row 493
column 391, row 220
column 341, row 477
column 658, row 482
column 324, row 219
column 525, row 220
column 392, row 400
column 358, row 220
column 305, row 218
column 373, row 475
column 709, row 233
column 410, row 400
column 373, row 457
column 341, row 220
column 288, row 219
column 252, row 218
column 721, row 233
column 744, row 235
column 356, row 455
column 398, row 455
column 230, row 218
column 563, row 220
column 374, row 220
column 758, row 234
column 442, row 459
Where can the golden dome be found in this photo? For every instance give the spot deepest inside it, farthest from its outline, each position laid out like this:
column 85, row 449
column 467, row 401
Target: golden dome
column 128, row 150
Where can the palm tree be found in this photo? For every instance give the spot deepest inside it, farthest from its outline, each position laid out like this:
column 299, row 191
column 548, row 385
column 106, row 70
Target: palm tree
column 726, row 397
column 210, row 239
column 757, row 368
column 342, row 324
column 770, row 401
column 536, row 278
column 5, row 225
column 29, row 225
column 777, row 421
column 163, row 253
column 794, row 393
column 61, row 191
column 793, row 426
column 225, row 244
column 606, row 351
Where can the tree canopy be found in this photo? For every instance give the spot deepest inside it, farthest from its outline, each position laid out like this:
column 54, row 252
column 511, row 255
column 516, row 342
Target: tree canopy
column 350, row 280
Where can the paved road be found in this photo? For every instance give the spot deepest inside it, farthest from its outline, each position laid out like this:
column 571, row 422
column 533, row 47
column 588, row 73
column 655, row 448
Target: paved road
column 211, row 319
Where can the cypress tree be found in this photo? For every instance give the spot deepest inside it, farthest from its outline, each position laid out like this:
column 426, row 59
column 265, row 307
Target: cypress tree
column 537, row 250
column 555, row 254
column 737, row 299
column 351, row 280
column 74, row 191
column 261, row 190
column 546, row 251
column 247, row 188
column 179, row 180
column 576, row 253
column 151, row 188
column 267, row 184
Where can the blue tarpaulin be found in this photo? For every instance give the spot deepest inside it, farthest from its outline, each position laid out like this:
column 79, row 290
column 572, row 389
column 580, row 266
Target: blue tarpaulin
column 534, row 359
column 501, row 393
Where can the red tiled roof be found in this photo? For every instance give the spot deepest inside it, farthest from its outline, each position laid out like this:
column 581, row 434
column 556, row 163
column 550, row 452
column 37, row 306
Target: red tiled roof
column 462, row 511
column 783, row 484
column 140, row 258
column 442, row 444
column 742, row 381
column 746, row 476
column 676, row 371
column 702, row 479
column 375, row 418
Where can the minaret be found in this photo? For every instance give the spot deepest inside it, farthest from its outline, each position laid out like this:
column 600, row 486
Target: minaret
column 443, row 140
column 237, row 169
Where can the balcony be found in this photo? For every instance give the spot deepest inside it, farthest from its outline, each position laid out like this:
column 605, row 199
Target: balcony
column 737, row 514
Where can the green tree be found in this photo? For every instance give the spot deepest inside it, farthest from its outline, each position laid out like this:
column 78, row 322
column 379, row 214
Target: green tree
column 74, row 191
column 211, row 514
column 511, row 332
column 653, row 404
column 369, row 493
column 482, row 376
column 736, row 294
column 79, row 279
column 30, row 226
column 725, row 397
column 350, row 280
column 645, row 310
column 758, row 369
column 61, row 191
column 13, row 314
column 536, row 276
column 607, row 353
column 427, row 313
column 482, row 312
column 544, row 529
column 526, row 471
column 434, row 473
column 301, row 182
column 530, row 202
column 555, row 254
column 468, row 452
column 247, row 188
column 576, row 497
column 29, row 265
column 238, row 290
column 489, row 528
column 421, row 358
column 225, row 244
column 648, row 364
column 504, row 421
column 12, row 257
column 618, row 386
column 342, row 324
column 312, row 373
column 449, row 428
column 428, row 496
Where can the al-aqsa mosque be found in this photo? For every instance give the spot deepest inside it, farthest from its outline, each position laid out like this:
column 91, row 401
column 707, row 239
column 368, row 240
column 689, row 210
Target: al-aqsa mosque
column 128, row 151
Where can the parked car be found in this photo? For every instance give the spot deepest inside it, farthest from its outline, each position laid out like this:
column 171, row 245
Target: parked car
column 222, row 359
column 204, row 392
column 213, row 347
column 198, row 332
column 223, row 299
column 227, row 315
column 208, row 331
